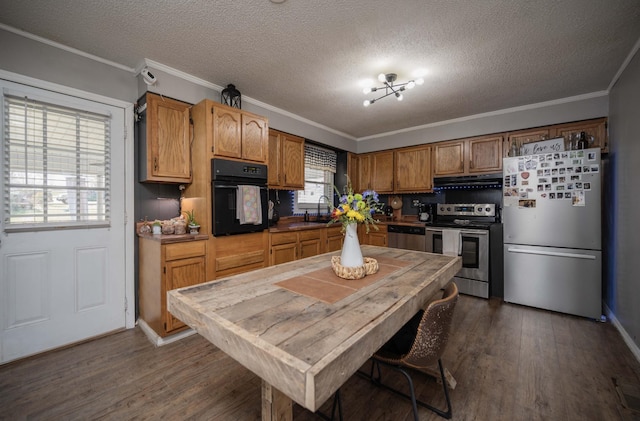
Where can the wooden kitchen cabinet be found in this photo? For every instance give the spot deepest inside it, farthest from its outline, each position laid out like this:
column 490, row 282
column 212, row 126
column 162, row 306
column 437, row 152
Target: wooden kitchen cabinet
column 413, row 170
column 596, row 128
column 478, row 155
column 352, row 169
column 288, row 246
column 163, row 267
column 335, row 237
column 165, row 140
column 485, row 154
column 286, row 161
column 232, row 133
column 375, row 172
column 375, row 237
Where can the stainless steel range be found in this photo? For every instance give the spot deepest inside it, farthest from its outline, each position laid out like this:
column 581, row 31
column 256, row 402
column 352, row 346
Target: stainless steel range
column 474, row 232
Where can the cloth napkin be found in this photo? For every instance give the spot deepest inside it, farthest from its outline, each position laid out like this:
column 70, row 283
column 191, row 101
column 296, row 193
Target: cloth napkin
column 451, row 242
column 248, row 205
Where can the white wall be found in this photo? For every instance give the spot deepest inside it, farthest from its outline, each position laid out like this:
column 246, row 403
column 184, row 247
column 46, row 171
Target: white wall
column 623, row 295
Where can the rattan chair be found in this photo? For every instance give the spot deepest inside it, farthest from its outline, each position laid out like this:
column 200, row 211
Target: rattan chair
column 418, row 345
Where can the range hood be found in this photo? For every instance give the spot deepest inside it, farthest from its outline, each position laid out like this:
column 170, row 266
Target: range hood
column 484, row 181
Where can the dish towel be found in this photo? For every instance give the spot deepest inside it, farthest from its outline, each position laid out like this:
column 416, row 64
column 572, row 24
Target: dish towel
column 248, row 205
column 451, row 242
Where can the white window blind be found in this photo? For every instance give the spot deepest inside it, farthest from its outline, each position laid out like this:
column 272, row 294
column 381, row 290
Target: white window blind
column 56, row 166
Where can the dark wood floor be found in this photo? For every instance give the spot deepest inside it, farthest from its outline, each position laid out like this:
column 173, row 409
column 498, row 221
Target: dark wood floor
column 511, row 363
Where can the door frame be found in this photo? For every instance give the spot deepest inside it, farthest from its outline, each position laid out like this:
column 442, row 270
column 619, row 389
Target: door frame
column 129, row 164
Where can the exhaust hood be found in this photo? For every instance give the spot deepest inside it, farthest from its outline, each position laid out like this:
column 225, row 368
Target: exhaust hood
column 484, row 181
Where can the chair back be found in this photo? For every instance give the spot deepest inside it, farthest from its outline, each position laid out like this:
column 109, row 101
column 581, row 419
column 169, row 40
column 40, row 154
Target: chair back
column 433, row 331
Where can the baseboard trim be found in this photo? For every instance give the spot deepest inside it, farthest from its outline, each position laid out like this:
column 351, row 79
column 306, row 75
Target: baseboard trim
column 625, row 336
column 157, row 340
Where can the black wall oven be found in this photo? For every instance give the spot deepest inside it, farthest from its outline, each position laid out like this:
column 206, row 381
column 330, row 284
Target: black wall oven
column 227, row 178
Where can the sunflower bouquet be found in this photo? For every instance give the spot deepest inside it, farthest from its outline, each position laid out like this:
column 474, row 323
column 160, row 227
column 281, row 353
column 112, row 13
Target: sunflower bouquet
column 356, row 208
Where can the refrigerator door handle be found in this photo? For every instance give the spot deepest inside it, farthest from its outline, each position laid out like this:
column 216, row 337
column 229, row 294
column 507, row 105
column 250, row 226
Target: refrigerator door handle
column 551, row 253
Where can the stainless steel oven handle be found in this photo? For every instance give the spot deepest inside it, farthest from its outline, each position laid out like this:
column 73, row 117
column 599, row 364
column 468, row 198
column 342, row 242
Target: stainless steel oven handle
column 474, row 232
column 432, row 230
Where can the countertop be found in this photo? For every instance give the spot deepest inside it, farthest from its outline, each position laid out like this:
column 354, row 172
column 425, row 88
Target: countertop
column 285, row 225
column 173, row 238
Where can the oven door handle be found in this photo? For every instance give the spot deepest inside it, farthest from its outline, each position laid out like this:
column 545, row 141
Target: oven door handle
column 474, row 232
column 224, row 186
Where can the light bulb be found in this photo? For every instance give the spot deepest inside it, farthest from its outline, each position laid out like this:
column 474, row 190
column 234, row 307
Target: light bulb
column 366, row 103
column 382, row 77
column 419, row 81
column 411, row 84
column 366, row 90
column 399, row 96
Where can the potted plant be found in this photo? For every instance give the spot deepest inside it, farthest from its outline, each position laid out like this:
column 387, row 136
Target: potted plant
column 194, row 226
column 157, row 227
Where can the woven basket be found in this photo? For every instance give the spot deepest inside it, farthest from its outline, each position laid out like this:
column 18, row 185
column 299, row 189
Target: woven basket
column 345, row 272
column 370, row 265
column 369, row 268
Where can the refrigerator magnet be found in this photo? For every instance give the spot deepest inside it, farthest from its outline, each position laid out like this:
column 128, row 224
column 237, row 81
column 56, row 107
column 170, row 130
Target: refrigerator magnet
column 577, row 198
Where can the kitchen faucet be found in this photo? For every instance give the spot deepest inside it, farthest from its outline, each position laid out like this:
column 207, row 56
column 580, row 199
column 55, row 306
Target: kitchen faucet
column 320, row 200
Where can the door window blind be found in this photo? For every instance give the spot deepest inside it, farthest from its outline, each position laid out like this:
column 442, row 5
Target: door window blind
column 56, row 166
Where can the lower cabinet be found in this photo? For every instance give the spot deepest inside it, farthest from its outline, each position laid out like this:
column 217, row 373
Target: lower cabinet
column 335, row 237
column 374, row 237
column 293, row 245
column 163, row 267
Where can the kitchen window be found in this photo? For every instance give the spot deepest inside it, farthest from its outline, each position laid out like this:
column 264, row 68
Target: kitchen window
column 57, row 167
column 319, row 171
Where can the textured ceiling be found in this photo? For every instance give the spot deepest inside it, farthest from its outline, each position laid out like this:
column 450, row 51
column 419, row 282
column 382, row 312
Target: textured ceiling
column 310, row 58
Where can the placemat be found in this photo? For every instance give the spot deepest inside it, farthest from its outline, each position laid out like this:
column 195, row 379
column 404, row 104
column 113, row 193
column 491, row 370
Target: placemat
column 325, row 285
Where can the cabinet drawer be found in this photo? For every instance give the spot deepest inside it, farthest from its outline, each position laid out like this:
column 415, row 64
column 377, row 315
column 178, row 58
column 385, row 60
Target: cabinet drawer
column 184, row 250
column 310, row 234
column 284, row 238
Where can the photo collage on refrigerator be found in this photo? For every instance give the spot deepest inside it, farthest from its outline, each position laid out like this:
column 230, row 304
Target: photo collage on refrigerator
column 549, row 176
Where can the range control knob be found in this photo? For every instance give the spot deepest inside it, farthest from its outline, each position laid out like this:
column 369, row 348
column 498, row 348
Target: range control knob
column 487, row 209
column 479, row 209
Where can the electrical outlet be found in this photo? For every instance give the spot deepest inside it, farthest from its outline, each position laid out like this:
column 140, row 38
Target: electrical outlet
column 415, row 203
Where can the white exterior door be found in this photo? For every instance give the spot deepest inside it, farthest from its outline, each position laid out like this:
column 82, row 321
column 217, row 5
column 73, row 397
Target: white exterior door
column 63, row 285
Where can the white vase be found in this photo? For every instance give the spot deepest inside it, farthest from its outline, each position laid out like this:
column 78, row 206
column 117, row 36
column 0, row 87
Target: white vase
column 351, row 254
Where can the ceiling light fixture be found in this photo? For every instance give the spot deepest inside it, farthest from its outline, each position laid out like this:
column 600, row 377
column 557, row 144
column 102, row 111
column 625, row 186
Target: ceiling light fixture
column 390, row 88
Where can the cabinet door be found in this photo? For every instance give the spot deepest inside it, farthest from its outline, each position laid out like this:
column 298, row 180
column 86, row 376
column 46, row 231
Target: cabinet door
column 596, row 128
column 274, row 159
column 255, row 138
column 448, row 158
column 227, row 129
column 485, row 154
column 377, row 238
column 382, row 172
column 413, row 170
column 283, row 253
column 352, row 169
column 364, row 175
column 525, row 136
column 181, row 273
column 292, row 162
column 310, row 248
column 168, row 140
column 334, row 239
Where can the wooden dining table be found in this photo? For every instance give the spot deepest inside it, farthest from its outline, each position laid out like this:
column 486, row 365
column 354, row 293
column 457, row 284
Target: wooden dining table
column 304, row 330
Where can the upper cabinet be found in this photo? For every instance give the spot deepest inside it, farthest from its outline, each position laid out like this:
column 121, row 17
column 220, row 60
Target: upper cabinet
column 286, row 161
column 413, row 170
column 595, row 131
column 165, row 140
column 478, row 155
column 375, row 172
column 233, row 133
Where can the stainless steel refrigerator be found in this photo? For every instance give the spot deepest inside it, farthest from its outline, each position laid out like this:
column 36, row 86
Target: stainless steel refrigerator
column 552, row 236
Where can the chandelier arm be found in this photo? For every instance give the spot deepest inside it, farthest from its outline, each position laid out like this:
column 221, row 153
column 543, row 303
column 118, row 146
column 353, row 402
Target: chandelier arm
column 384, row 96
